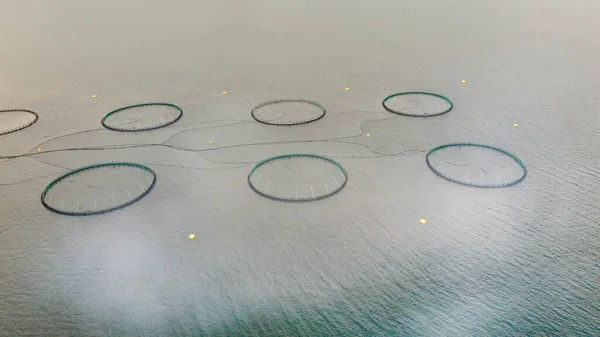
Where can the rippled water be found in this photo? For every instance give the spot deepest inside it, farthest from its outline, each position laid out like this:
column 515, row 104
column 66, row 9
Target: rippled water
column 520, row 261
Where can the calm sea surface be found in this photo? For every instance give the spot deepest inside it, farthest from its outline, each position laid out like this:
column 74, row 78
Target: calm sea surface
column 518, row 261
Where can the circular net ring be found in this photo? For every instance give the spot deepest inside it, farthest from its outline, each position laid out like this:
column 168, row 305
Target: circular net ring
column 464, row 183
column 292, row 100
column 162, row 125
column 20, row 127
column 339, row 186
column 92, row 167
column 386, row 107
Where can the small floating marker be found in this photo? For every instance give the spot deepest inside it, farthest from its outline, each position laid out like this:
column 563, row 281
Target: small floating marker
column 39, row 150
column 192, row 236
column 211, row 141
column 93, row 96
column 463, row 81
column 423, row 221
column 368, row 134
column 224, row 92
column 516, row 125
column 347, row 89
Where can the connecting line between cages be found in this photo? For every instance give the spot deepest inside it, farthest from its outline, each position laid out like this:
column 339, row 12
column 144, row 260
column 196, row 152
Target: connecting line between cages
column 128, row 146
column 339, row 140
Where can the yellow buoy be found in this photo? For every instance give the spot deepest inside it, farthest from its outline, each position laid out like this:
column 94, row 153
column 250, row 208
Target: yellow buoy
column 39, row 150
column 93, row 96
column 368, row 134
column 464, row 82
column 423, row 221
column 347, row 89
column 192, row 236
column 211, row 141
column 516, row 125
column 224, row 92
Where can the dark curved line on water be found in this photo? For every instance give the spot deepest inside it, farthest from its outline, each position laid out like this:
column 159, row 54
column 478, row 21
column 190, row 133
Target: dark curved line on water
column 289, row 168
column 459, row 165
column 88, row 186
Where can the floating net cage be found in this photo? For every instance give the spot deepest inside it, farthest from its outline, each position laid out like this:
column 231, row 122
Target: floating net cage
column 297, row 177
column 142, row 117
column 16, row 119
column 98, row 189
column 417, row 104
column 288, row 112
column 476, row 165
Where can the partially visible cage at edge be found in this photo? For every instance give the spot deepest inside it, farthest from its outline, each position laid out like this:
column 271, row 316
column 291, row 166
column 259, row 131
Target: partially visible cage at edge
column 20, row 127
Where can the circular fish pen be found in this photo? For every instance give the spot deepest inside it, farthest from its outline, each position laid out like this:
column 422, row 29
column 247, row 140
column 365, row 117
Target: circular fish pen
column 417, row 104
column 98, row 189
column 288, row 112
column 297, row 177
column 142, row 117
column 13, row 120
column 476, row 165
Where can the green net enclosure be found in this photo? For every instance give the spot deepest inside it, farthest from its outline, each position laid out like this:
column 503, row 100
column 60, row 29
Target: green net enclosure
column 417, row 104
column 288, row 112
column 98, row 189
column 297, row 177
column 476, row 165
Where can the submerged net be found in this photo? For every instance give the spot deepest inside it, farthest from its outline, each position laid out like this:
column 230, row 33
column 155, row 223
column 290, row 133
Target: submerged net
column 417, row 104
column 142, row 117
column 97, row 189
column 297, row 177
column 476, row 165
column 288, row 112
column 16, row 119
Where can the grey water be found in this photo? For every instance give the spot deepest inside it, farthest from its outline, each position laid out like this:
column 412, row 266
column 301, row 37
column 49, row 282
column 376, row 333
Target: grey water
column 517, row 261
